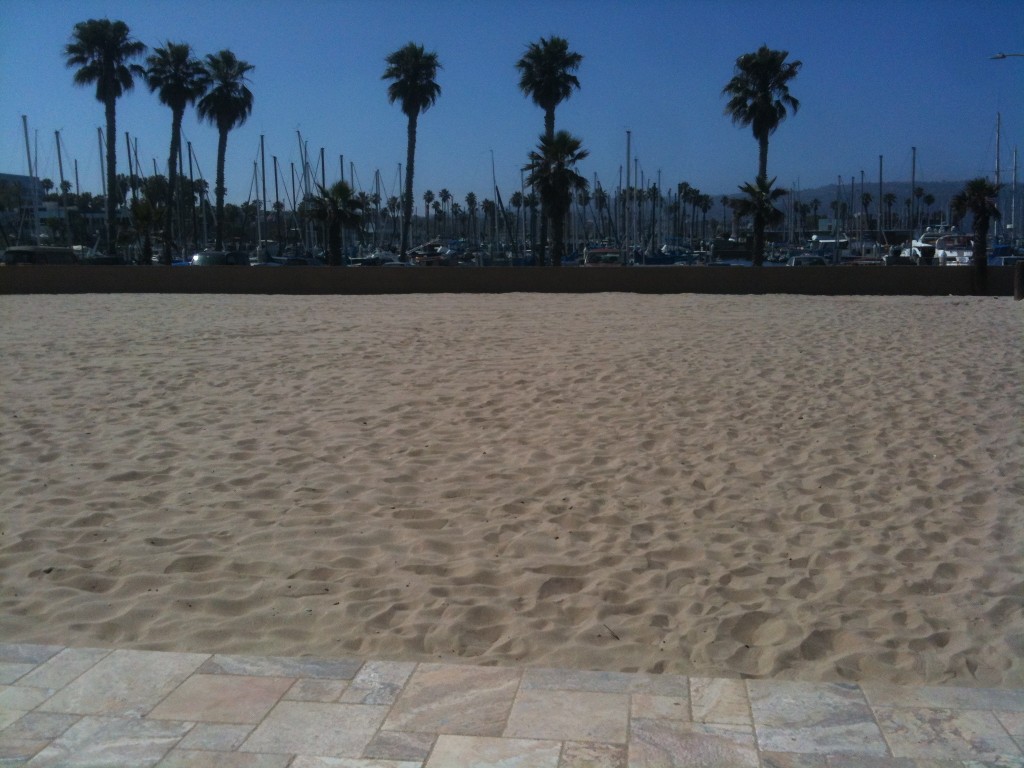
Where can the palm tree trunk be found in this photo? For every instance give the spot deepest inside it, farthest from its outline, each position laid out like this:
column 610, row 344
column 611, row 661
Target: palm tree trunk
column 762, row 158
column 172, row 182
column 981, row 255
column 222, row 150
column 111, row 175
column 410, row 159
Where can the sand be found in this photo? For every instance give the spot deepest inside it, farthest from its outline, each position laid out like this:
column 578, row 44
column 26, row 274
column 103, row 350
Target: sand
column 790, row 487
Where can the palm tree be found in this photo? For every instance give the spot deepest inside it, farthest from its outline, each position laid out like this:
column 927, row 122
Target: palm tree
column 412, row 72
column 227, row 104
column 759, row 203
column 552, row 172
column 446, row 200
column 102, row 50
column 180, row 79
column 759, row 97
column 338, row 207
column 889, row 198
column 428, row 198
column 471, row 211
column 546, row 75
column 978, row 197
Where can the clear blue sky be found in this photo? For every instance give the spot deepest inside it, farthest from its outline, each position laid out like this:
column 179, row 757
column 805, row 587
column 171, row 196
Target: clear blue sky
column 878, row 78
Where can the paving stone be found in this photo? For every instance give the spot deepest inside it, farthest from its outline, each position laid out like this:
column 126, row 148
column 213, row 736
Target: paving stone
column 455, row 699
column 944, row 733
column 569, row 716
column 316, row 690
column 330, row 730
column 64, row 667
column 824, row 718
column 305, row 761
column 179, row 758
column 125, row 683
column 27, row 653
column 23, row 699
column 378, row 682
column 651, row 707
column 111, row 742
column 216, row 737
column 485, row 752
column 281, row 666
column 719, row 700
column 398, row 745
column 593, row 755
column 223, row 699
column 943, row 697
column 674, row 744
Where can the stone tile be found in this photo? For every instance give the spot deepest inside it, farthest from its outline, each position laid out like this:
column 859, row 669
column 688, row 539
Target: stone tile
column 398, row 745
column 823, row 718
column 674, row 744
column 114, row 742
column 944, row 733
column 223, row 699
column 676, row 686
column 64, row 667
column 326, row 691
column 719, row 700
column 378, row 682
column 30, row 734
column 21, row 698
column 1013, row 722
column 281, row 666
column 216, row 737
column 569, row 716
column 651, row 707
column 942, row 697
column 593, row 755
column 180, row 758
column 27, row 653
column 546, row 679
column 330, row 730
column 454, row 699
column 793, row 760
column 305, row 761
column 8, row 716
column 38, row 725
column 854, row 761
column 484, row 752
column 125, row 683
column 12, row 672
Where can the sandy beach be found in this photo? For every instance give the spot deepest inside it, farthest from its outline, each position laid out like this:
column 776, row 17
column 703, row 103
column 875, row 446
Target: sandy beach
column 791, row 487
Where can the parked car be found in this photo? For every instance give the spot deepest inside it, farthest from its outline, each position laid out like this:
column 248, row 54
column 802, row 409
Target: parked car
column 806, row 261
column 221, row 259
column 38, row 254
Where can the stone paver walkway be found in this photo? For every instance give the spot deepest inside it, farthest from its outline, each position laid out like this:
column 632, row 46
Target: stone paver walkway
column 99, row 707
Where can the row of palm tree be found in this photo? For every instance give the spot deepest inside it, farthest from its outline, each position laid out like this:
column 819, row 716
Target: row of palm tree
column 104, row 55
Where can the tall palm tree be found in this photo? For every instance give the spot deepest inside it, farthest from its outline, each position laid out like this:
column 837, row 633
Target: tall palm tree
column 546, row 75
column 552, row 172
column 446, row 200
column 759, row 203
column 428, row 198
column 412, row 72
column 338, row 207
column 471, row 211
column 889, row 198
column 227, row 104
column 759, row 97
column 102, row 50
column 179, row 79
column 978, row 197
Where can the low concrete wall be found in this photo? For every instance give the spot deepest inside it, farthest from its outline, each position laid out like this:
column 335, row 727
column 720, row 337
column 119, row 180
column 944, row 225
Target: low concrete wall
column 828, row 281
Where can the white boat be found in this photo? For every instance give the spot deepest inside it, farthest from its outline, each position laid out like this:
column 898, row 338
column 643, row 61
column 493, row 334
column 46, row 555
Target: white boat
column 954, row 250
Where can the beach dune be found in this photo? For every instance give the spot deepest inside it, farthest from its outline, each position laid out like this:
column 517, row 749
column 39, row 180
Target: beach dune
column 793, row 487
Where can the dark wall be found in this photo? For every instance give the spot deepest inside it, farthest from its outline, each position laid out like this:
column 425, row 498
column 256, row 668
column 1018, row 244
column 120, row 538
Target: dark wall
column 923, row 281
